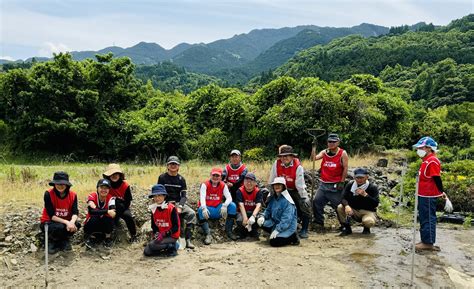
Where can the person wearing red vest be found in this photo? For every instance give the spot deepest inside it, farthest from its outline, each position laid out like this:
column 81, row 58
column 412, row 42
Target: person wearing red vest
column 332, row 176
column 211, row 206
column 430, row 187
column 249, row 198
column 164, row 223
column 60, row 212
column 120, row 189
column 234, row 173
column 100, row 216
column 289, row 167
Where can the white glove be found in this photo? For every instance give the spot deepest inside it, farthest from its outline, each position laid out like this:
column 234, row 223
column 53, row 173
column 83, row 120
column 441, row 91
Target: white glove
column 448, row 207
column 260, row 221
column 224, row 212
column 205, row 213
column 164, row 205
column 274, row 234
column 248, row 227
column 251, row 220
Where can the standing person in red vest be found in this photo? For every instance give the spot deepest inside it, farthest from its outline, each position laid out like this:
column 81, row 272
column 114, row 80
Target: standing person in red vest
column 100, row 215
column 212, row 205
column 289, row 167
column 164, row 223
column 250, row 199
column 430, row 188
column 333, row 173
column 120, row 189
column 234, row 174
column 60, row 212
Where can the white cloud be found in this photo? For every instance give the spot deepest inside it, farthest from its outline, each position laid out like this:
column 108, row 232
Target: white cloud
column 7, row 58
column 48, row 48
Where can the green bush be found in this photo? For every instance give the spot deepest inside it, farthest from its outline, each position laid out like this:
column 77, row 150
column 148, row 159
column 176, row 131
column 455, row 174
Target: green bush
column 255, row 154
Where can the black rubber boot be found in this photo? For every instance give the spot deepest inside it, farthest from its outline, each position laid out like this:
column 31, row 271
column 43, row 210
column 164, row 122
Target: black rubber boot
column 229, row 224
column 366, row 231
column 346, row 231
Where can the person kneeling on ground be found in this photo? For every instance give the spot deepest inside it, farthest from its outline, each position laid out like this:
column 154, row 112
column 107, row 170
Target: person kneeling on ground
column 164, row 223
column 211, row 206
column 100, row 215
column 120, row 189
column 60, row 213
column 359, row 202
column 280, row 216
column 249, row 198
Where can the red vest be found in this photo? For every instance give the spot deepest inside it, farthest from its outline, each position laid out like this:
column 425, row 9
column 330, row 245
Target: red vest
column 429, row 167
column 234, row 175
column 162, row 219
column 94, row 197
column 331, row 167
column 249, row 199
column 289, row 173
column 120, row 191
column 213, row 194
column 62, row 207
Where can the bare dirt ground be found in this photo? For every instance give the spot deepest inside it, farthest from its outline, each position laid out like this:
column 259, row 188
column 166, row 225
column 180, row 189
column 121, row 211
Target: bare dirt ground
column 324, row 260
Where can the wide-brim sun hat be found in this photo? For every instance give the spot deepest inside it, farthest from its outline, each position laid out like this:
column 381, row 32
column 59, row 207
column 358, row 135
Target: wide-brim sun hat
column 112, row 169
column 156, row 190
column 279, row 180
column 426, row 141
column 286, row 150
column 60, row 178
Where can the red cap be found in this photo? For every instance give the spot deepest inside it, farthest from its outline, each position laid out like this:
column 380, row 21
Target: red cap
column 216, row 171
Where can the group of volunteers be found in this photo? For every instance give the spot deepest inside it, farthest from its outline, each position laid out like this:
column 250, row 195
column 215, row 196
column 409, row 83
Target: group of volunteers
column 232, row 194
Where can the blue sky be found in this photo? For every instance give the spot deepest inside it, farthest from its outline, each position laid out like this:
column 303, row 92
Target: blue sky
column 41, row 27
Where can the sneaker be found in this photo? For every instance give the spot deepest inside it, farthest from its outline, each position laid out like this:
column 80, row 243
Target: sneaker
column 232, row 236
column 108, row 243
column 426, row 247
column 366, row 231
column 296, row 242
column 172, row 252
column 52, row 248
column 303, row 234
column 208, row 239
column 90, row 243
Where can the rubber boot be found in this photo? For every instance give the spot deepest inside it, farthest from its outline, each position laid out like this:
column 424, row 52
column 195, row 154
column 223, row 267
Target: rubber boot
column 304, row 228
column 171, row 250
column 188, row 233
column 346, row 231
column 229, row 223
column 207, row 233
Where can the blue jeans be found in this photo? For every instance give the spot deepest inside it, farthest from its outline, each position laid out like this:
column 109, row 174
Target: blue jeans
column 427, row 215
column 215, row 212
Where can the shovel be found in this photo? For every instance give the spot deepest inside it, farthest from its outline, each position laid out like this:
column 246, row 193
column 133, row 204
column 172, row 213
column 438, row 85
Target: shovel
column 46, row 253
column 315, row 133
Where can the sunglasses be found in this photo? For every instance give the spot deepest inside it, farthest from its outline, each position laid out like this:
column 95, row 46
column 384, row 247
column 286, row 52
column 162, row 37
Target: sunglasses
column 332, row 141
column 216, row 175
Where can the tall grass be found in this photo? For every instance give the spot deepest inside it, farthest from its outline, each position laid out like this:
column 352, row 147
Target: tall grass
column 20, row 183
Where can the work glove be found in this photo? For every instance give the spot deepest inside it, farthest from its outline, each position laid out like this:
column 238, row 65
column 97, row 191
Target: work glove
column 251, row 220
column 205, row 213
column 224, row 211
column 448, row 207
column 158, row 238
column 306, row 203
column 248, row 227
column 274, row 234
column 260, row 221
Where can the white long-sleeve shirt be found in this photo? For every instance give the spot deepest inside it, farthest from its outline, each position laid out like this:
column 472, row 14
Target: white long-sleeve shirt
column 300, row 184
column 202, row 195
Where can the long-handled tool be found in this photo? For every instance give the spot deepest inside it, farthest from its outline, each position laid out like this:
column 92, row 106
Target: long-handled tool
column 315, row 133
column 400, row 196
column 46, row 253
column 415, row 215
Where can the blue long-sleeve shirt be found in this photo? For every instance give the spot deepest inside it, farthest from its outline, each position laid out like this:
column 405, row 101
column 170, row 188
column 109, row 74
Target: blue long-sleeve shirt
column 281, row 215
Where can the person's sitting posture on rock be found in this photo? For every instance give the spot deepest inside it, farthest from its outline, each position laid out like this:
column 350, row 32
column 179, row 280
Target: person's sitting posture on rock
column 100, row 215
column 249, row 198
column 175, row 185
column 164, row 223
column 359, row 202
column 280, row 218
column 289, row 167
column 123, row 198
column 211, row 205
column 60, row 212
column 234, row 173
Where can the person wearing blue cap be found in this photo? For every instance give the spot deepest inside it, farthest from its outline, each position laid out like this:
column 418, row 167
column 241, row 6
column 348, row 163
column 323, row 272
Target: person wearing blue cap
column 360, row 199
column 430, row 187
column 100, row 215
column 164, row 223
column 250, row 199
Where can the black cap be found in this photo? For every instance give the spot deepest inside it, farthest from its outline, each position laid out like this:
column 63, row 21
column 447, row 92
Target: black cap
column 172, row 160
column 333, row 137
column 60, row 178
column 250, row 176
column 104, row 182
column 360, row 172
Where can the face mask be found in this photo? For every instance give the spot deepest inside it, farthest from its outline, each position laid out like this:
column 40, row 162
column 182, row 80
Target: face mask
column 421, row 153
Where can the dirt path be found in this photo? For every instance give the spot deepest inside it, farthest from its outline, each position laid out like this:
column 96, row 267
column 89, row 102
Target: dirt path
column 379, row 260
